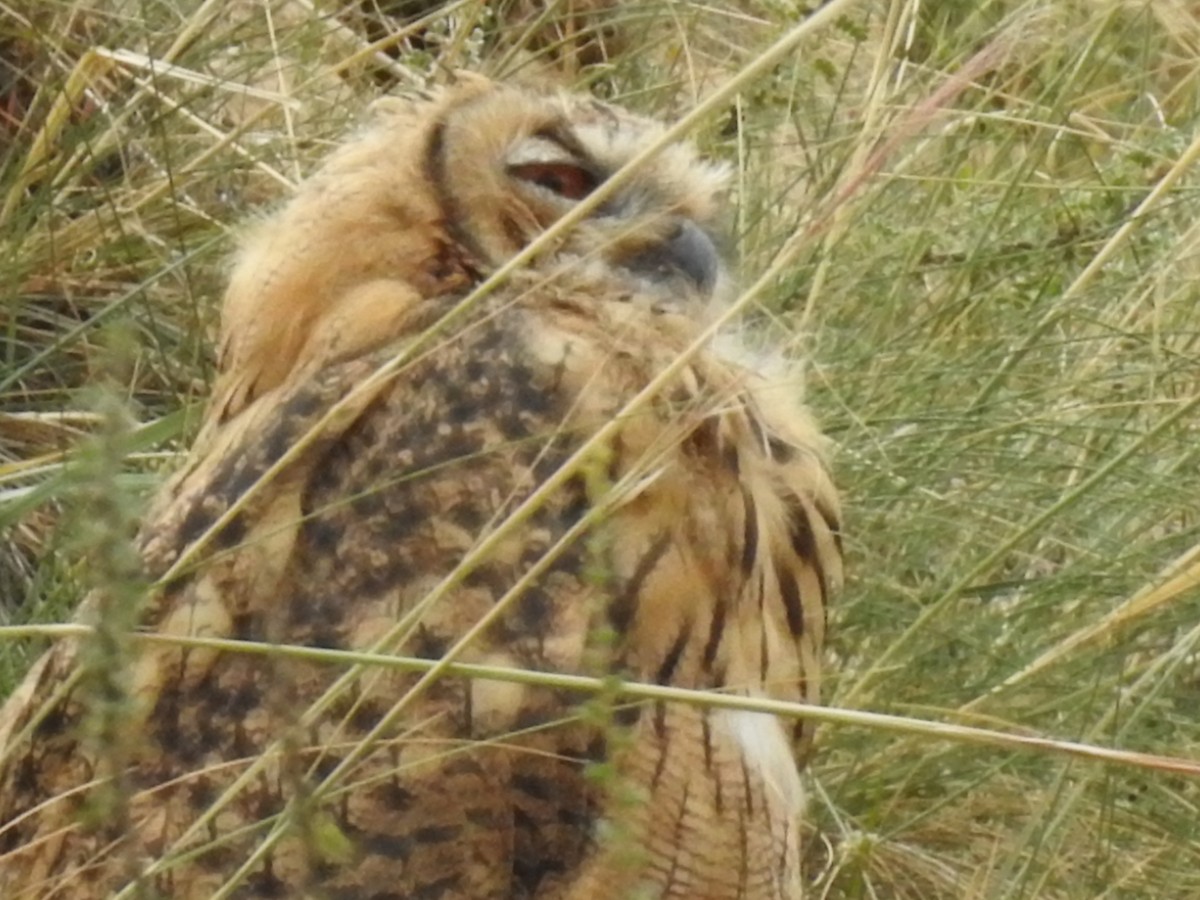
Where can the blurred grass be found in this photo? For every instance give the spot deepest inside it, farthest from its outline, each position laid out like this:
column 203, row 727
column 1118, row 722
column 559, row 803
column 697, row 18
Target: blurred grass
column 998, row 304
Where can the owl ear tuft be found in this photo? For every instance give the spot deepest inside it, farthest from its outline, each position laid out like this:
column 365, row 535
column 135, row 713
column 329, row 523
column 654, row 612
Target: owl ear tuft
column 465, row 79
column 458, row 85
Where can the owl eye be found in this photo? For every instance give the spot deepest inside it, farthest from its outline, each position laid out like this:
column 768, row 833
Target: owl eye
column 565, row 179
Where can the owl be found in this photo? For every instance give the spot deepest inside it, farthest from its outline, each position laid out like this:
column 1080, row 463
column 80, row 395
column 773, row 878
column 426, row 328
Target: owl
column 396, row 463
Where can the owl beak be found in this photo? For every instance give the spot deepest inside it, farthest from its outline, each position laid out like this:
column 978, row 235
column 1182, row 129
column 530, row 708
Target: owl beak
column 689, row 252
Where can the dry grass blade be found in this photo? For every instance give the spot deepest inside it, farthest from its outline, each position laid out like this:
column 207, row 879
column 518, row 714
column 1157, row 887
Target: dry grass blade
column 1175, row 583
column 636, row 691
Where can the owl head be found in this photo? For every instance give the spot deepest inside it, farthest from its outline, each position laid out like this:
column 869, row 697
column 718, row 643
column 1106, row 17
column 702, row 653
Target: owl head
column 439, row 191
column 507, row 163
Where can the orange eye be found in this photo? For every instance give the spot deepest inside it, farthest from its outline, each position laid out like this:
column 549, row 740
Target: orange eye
column 564, row 179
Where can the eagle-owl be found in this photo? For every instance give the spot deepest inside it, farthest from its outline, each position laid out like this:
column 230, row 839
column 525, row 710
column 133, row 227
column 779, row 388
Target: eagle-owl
column 350, row 462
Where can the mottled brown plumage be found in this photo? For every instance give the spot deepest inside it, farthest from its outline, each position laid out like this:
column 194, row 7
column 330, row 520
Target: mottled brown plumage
column 325, row 506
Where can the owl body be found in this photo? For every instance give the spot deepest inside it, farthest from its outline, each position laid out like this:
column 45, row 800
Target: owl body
column 359, row 486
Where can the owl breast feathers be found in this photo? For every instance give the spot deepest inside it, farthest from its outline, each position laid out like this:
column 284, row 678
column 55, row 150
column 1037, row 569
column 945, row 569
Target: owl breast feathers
column 361, row 483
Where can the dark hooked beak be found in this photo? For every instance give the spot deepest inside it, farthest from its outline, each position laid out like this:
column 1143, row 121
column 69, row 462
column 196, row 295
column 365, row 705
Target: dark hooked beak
column 689, row 252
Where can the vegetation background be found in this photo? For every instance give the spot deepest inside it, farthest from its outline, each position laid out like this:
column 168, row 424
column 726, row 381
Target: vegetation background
column 996, row 290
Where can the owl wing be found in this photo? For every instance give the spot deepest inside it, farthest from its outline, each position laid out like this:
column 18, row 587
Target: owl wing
column 321, row 516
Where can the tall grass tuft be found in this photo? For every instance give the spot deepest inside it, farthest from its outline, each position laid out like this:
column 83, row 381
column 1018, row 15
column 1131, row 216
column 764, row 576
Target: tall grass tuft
column 992, row 223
